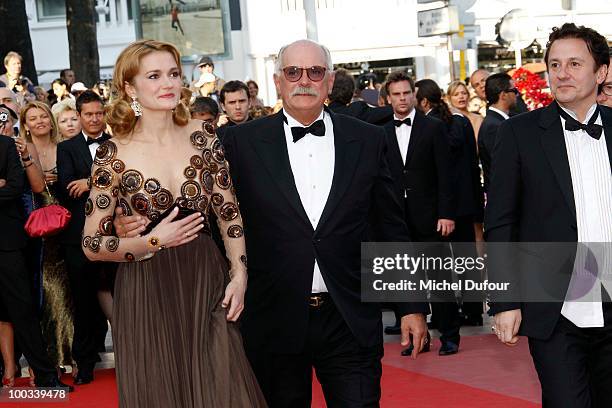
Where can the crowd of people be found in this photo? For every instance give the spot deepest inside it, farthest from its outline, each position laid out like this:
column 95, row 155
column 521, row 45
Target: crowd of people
column 157, row 244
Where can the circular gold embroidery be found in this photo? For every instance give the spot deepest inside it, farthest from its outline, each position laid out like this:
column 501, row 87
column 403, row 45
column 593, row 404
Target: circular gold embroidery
column 214, row 167
column 235, row 231
column 207, row 156
column 191, row 204
column 198, row 139
column 190, row 172
column 129, row 257
column 229, row 211
column 86, row 241
column 182, row 202
column 95, row 243
column 197, row 162
column 190, row 189
column 132, row 181
column 216, row 199
column 219, row 155
column 202, row 203
column 152, row 186
column 243, row 259
column 207, row 181
column 105, row 153
column 115, row 191
column 117, row 165
column 209, row 129
column 89, row 207
column 102, row 201
column 154, row 215
column 125, row 207
column 112, row 244
column 102, row 178
column 163, row 199
column 223, row 179
column 141, row 203
column 106, row 226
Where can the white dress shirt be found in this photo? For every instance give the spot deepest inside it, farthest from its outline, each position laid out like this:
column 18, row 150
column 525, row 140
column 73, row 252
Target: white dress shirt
column 94, row 146
column 312, row 160
column 403, row 134
column 501, row 112
column 592, row 187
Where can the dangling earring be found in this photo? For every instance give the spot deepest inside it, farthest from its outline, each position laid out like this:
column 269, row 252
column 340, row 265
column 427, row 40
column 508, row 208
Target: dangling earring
column 136, row 107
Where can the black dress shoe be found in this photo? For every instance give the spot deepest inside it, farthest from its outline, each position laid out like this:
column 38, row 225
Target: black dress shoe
column 53, row 382
column 83, row 377
column 390, row 330
column 448, row 348
column 408, row 351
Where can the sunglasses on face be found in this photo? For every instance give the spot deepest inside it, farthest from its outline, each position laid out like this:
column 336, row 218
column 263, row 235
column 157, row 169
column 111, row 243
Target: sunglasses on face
column 294, row 74
column 513, row 90
column 607, row 89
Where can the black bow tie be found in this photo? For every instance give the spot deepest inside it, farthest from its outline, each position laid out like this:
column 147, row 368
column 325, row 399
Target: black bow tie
column 316, row 129
column 399, row 123
column 591, row 128
column 100, row 140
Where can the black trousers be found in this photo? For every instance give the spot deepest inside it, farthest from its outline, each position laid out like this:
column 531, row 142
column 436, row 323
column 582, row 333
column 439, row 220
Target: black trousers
column 349, row 374
column 90, row 325
column 16, row 294
column 575, row 365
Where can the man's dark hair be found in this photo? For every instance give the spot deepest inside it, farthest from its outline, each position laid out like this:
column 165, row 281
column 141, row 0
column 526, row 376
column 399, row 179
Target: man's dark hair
column 63, row 72
column 344, row 87
column 87, row 96
column 232, row 86
column 382, row 93
column 204, row 104
column 398, row 76
column 595, row 42
column 495, row 85
column 429, row 89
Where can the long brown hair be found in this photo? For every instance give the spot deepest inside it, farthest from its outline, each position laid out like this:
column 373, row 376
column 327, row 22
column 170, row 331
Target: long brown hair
column 55, row 138
column 119, row 115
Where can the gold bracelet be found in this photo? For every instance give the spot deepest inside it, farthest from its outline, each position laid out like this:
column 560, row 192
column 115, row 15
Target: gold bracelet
column 25, row 166
column 154, row 242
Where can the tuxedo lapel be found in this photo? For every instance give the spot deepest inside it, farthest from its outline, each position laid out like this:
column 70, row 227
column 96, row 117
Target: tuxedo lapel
column 347, row 149
column 394, row 150
column 83, row 150
column 272, row 149
column 606, row 117
column 416, row 134
column 553, row 142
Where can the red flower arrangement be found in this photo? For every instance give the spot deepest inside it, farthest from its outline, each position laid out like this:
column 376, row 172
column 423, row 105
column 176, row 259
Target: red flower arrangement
column 532, row 88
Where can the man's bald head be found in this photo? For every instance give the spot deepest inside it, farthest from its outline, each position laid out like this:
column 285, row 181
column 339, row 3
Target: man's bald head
column 478, row 80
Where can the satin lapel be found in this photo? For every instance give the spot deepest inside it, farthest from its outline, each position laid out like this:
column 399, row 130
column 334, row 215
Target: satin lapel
column 272, row 149
column 606, row 116
column 393, row 146
column 416, row 135
column 553, row 142
column 347, row 149
column 83, row 149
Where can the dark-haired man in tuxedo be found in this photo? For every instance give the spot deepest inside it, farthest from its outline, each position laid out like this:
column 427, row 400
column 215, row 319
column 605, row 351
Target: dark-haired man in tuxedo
column 74, row 161
column 420, row 161
column 501, row 96
column 551, row 181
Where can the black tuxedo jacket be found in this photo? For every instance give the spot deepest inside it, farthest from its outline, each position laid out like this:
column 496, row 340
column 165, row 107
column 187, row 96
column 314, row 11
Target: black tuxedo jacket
column 425, row 178
column 486, row 141
column 12, row 219
column 282, row 245
column 74, row 162
column 363, row 111
column 531, row 199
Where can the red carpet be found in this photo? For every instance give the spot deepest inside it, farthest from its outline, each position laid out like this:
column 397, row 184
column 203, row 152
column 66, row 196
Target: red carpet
column 465, row 380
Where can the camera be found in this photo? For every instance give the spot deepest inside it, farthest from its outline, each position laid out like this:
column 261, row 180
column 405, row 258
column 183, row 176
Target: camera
column 4, row 116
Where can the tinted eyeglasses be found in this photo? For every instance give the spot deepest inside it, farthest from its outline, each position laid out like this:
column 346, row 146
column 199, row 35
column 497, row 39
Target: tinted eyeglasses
column 607, row 89
column 513, row 90
column 294, row 74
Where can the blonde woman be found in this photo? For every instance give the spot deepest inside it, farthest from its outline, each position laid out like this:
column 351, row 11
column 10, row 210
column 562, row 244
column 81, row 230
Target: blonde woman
column 459, row 97
column 38, row 128
column 67, row 118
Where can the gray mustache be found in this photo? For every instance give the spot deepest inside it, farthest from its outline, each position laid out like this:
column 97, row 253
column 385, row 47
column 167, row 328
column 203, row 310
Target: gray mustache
column 303, row 90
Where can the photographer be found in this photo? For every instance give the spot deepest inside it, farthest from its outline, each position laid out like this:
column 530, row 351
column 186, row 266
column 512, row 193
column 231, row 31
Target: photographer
column 13, row 78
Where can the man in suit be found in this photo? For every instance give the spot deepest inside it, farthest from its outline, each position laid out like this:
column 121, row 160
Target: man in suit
column 419, row 160
column 234, row 99
column 551, row 181
column 308, row 181
column 14, row 283
column 501, row 95
column 74, row 161
column 342, row 94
